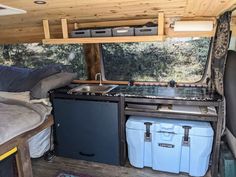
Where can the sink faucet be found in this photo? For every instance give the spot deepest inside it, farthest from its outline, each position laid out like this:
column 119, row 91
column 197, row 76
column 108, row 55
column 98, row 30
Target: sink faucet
column 100, row 78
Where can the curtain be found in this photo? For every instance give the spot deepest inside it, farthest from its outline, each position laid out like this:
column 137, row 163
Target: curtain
column 219, row 52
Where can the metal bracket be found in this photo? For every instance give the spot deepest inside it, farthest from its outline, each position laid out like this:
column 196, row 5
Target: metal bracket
column 186, row 138
column 147, row 134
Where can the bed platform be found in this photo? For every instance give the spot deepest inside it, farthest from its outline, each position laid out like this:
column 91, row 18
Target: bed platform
column 20, row 142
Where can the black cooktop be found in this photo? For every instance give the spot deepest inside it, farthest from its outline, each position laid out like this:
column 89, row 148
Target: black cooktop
column 182, row 93
column 190, row 93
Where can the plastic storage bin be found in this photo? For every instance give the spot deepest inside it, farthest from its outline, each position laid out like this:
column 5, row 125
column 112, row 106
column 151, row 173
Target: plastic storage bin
column 106, row 32
column 81, row 33
column 123, row 31
column 145, row 31
column 169, row 145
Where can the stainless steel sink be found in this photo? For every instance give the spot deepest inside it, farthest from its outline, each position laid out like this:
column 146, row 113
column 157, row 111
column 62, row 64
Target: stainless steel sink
column 86, row 88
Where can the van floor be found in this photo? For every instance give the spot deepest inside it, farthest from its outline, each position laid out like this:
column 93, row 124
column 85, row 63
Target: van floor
column 42, row 168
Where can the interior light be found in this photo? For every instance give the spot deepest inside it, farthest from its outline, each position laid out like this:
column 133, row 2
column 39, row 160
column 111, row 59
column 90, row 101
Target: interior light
column 40, row 2
column 193, row 26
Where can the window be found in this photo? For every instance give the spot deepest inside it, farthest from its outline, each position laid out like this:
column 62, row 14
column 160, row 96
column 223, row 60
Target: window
column 36, row 55
column 182, row 60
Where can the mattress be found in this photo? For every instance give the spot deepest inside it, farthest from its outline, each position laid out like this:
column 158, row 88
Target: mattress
column 17, row 117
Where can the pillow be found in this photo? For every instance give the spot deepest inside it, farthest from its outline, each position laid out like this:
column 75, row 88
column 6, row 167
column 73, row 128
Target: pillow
column 20, row 96
column 40, row 90
column 15, row 79
column 33, row 78
column 9, row 75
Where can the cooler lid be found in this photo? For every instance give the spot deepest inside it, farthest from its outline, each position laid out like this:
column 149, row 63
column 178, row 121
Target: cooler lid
column 137, row 123
column 198, row 128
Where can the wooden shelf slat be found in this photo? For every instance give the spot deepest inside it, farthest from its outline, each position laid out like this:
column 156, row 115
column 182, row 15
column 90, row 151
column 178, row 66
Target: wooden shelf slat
column 170, row 115
column 105, row 40
column 64, row 28
column 46, row 29
column 161, row 24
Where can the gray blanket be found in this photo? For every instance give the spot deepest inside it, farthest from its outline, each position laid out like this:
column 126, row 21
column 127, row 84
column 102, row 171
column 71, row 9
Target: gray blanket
column 17, row 117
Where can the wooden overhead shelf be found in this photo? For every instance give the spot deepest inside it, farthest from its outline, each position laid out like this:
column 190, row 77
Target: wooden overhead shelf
column 67, row 40
column 105, row 39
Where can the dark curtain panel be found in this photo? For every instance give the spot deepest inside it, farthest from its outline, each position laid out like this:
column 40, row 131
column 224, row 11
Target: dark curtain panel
column 219, row 52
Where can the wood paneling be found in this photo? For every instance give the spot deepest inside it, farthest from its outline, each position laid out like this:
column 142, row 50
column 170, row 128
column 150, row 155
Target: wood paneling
column 92, row 13
column 207, row 7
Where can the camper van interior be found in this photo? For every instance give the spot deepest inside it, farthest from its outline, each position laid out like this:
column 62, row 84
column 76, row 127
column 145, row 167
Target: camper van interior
column 119, row 88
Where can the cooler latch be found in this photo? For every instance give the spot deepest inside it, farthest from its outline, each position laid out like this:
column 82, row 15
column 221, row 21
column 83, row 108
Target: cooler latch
column 147, row 134
column 186, row 138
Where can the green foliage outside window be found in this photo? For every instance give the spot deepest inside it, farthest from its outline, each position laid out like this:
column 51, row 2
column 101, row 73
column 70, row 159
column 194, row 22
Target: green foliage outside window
column 183, row 60
column 37, row 55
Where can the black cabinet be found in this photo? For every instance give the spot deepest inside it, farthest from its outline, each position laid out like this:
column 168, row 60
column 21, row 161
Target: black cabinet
column 87, row 130
column 8, row 167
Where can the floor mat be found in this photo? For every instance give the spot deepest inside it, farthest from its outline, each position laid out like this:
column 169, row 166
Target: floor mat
column 71, row 174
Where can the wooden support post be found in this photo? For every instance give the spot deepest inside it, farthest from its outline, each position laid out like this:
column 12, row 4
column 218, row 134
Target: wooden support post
column 93, row 59
column 161, row 24
column 122, row 118
column 23, row 160
column 216, row 147
column 46, row 29
column 64, row 28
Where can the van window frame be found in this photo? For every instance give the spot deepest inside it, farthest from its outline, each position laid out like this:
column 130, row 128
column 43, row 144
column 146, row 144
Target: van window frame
column 205, row 74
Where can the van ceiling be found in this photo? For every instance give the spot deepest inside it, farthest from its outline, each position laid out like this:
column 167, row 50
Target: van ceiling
column 28, row 27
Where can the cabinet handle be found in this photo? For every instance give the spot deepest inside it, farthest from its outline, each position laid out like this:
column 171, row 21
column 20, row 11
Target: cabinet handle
column 85, row 154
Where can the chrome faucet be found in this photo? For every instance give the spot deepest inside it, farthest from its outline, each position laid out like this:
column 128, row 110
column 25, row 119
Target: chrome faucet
column 100, row 78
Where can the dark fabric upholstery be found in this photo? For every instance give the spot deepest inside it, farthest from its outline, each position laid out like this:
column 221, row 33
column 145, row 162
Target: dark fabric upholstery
column 219, row 52
column 230, row 91
column 9, row 75
column 13, row 79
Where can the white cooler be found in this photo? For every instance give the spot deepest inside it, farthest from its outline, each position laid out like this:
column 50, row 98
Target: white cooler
column 169, row 145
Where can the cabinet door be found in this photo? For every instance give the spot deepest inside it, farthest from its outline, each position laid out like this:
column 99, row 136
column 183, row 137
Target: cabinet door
column 87, row 130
